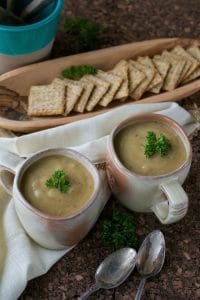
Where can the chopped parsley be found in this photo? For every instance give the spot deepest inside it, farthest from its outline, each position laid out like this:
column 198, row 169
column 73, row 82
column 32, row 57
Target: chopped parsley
column 150, row 146
column 83, row 33
column 154, row 145
column 76, row 72
column 59, row 180
column 163, row 145
column 119, row 231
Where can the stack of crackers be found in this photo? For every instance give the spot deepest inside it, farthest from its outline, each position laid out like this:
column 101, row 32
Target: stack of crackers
column 128, row 79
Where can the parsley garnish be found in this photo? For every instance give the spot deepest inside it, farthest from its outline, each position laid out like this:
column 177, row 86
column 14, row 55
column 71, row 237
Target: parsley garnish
column 161, row 145
column 76, row 72
column 150, row 146
column 59, row 181
column 119, row 230
column 83, row 33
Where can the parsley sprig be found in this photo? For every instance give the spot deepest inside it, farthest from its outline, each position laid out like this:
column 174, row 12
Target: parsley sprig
column 154, row 145
column 59, row 181
column 150, row 146
column 83, row 33
column 76, row 72
column 119, row 230
column 163, row 145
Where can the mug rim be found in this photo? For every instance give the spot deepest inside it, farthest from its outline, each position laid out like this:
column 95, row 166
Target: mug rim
column 35, row 25
column 60, row 151
column 146, row 116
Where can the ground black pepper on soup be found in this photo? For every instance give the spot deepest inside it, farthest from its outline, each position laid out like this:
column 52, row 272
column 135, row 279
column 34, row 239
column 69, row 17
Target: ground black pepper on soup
column 129, row 146
column 49, row 199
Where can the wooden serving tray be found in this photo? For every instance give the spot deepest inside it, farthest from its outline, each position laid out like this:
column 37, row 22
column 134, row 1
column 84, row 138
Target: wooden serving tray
column 20, row 81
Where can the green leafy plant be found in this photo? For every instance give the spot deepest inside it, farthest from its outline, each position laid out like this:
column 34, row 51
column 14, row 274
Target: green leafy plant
column 150, row 146
column 119, row 230
column 163, row 145
column 76, row 72
column 83, row 32
column 59, row 181
column 154, row 145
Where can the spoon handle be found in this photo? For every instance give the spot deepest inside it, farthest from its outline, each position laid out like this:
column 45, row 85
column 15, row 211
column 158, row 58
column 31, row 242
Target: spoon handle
column 10, row 5
column 8, row 18
column 95, row 287
column 33, row 7
column 140, row 288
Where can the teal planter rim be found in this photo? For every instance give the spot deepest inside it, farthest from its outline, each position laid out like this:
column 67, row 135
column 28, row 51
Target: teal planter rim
column 36, row 25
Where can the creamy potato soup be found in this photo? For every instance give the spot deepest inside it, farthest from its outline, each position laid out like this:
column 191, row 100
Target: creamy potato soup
column 129, row 146
column 51, row 200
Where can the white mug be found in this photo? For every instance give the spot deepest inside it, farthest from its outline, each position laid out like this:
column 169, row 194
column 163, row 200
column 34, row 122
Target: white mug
column 49, row 231
column 161, row 194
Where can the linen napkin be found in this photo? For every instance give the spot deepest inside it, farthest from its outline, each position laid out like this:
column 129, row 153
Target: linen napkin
column 21, row 259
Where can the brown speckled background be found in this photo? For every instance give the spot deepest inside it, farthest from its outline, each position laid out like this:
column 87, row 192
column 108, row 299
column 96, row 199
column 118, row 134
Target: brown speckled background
column 127, row 21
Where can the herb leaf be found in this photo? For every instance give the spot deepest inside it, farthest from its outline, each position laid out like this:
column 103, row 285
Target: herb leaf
column 153, row 145
column 76, row 72
column 119, row 231
column 150, row 146
column 163, row 145
column 83, row 32
column 59, row 181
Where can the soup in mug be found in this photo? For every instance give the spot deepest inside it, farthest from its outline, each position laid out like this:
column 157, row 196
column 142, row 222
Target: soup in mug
column 129, row 146
column 50, row 200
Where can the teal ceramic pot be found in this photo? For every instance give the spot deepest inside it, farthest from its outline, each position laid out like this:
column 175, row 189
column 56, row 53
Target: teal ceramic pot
column 21, row 45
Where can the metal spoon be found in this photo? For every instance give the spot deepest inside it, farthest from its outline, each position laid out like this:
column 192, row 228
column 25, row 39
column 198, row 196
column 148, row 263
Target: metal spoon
column 150, row 258
column 33, row 7
column 9, row 18
column 113, row 270
column 10, row 5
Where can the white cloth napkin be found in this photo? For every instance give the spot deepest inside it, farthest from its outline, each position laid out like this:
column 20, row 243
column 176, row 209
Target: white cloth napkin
column 21, row 259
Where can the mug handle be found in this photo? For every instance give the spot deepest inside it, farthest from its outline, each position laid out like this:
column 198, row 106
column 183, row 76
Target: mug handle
column 9, row 164
column 176, row 205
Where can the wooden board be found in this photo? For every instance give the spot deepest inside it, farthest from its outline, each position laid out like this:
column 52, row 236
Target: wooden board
column 20, row 80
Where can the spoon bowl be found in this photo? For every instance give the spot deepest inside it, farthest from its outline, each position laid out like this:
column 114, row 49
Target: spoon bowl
column 113, row 271
column 150, row 258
